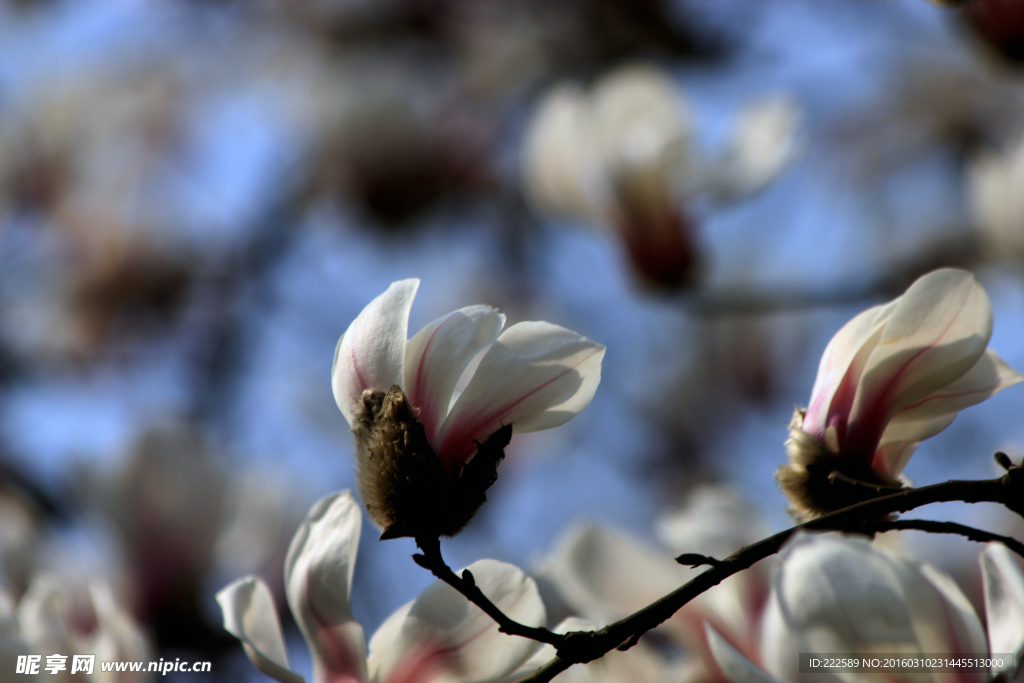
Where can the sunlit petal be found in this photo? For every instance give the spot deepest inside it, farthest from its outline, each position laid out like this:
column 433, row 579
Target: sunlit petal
column 1004, row 600
column 841, row 366
column 250, row 616
column 437, row 355
column 937, row 332
column 318, row 581
column 443, row 618
column 535, row 376
column 371, row 353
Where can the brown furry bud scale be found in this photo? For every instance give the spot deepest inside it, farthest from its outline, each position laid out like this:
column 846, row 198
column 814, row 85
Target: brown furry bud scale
column 405, row 487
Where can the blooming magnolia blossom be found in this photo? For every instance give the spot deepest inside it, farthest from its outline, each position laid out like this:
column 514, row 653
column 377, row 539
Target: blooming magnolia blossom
column 440, row 635
column 893, row 376
column 426, row 454
column 70, row 617
column 605, row 575
column 834, row 593
column 622, row 155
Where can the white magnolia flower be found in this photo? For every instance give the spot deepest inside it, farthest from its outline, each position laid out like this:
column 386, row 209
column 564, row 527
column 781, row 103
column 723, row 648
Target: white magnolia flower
column 893, row 376
column 605, row 575
column 622, row 156
column 68, row 617
column 426, row 454
column 840, row 594
column 997, row 204
column 440, row 635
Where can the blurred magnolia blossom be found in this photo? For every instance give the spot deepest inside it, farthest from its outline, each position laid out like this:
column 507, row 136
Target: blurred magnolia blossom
column 622, row 155
column 842, row 594
column 604, row 575
column 70, row 616
column 439, row 636
column 997, row 204
column 426, row 452
column 895, row 375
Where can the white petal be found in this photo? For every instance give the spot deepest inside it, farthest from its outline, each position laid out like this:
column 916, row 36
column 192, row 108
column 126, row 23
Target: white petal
column 1004, row 600
column 997, row 205
column 841, row 366
column 937, row 332
column 441, row 618
column 535, row 376
column 562, row 171
column 436, row 357
column 604, row 575
column 383, row 639
column 371, row 353
column 918, row 421
column 250, row 616
column 643, row 122
column 736, row 667
column 763, row 142
column 318, row 581
column 842, row 594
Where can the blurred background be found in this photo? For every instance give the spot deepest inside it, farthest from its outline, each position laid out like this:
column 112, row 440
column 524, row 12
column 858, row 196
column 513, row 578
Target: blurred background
column 198, row 196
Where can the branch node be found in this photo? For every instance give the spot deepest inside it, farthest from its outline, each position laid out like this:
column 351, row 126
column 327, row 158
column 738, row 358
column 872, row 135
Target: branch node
column 1004, row 460
column 696, row 560
column 467, row 576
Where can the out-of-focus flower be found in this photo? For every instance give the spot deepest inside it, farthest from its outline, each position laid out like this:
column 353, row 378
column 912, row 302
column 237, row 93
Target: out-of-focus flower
column 997, row 204
column 893, row 376
column 999, row 23
column 425, row 457
column 622, row 156
column 604, row 575
column 835, row 593
column 70, row 617
column 440, row 634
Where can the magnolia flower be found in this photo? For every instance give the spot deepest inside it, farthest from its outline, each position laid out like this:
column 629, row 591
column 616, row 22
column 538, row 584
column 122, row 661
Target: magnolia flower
column 996, row 203
column 622, row 156
column 438, row 634
column 426, row 455
column 605, row 575
column 893, row 376
column 70, row 617
column 842, row 594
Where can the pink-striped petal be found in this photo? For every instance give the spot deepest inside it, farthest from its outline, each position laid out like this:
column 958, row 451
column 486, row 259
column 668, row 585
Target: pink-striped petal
column 535, row 376
column 459, row 634
column 918, row 421
column 250, row 616
column 840, row 369
column 318, row 581
column 371, row 353
column 936, row 333
column 436, row 357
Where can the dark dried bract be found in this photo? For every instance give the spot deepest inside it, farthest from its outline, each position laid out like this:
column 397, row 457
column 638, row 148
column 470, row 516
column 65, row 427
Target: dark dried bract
column 817, row 481
column 406, row 489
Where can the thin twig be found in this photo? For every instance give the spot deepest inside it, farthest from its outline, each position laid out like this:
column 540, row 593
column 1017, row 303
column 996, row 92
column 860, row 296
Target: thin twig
column 582, row 647
column 958, row 250
column 431, row 559
column 968, row 532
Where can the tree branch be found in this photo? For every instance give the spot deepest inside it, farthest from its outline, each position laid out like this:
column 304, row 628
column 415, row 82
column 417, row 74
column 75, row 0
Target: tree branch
column 431, row 559
column 586, row 646
column 969, row 532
